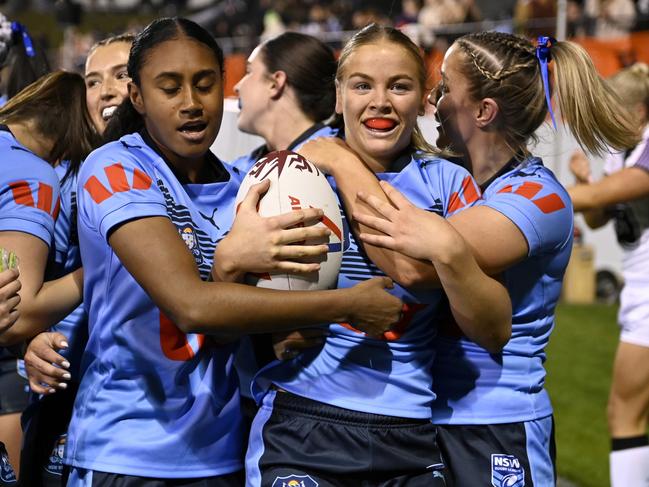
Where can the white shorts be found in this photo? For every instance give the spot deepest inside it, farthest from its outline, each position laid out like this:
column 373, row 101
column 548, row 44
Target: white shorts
column 634, row 315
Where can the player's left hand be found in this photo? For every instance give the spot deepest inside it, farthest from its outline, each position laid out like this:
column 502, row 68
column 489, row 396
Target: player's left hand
column 404, row 227
column 46, row 368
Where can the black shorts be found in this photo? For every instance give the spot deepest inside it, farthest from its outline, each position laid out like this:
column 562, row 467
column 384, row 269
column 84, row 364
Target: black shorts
column 507, row 455
column 14, row 389
column 89, row 478
column 7, row 475
column 297, row 441
column 45, row 425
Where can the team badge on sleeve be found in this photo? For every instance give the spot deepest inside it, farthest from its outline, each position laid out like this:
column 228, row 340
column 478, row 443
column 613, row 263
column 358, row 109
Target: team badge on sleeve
column 295, row 481
column 506, row 471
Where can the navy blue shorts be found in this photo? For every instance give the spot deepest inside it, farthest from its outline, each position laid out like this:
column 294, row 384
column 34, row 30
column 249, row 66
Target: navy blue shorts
column 45, row 425
column 14, row 389
column 297, row 441
column 80, row 477
column 502, row 455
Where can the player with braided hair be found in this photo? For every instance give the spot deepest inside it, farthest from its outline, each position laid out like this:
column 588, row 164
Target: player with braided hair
column 494, row 416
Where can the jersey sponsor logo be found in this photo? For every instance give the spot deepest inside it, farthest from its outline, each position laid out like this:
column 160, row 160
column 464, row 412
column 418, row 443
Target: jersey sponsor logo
column 7, row 473
column 55, row 461
column 506, row 471
column 118, row 181
column 469, row 192
column 295, row 481
column 23, row 195
column 529, row 189
column 177, row 345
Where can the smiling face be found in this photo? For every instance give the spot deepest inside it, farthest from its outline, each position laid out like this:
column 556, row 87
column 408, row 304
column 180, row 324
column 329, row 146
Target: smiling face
column 379, row 96
column 181, row 98
column 106, row 81
column 254, row 93
column 455, row 106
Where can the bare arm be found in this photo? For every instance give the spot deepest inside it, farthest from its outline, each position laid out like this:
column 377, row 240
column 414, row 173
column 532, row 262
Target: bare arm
column 628, row 184
column 480, row 304
column 162, row 265
column 580, row 168
column 42, row 304
column 335, row 158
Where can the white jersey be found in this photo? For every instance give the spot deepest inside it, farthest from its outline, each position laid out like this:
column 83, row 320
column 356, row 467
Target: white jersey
column 634, row 300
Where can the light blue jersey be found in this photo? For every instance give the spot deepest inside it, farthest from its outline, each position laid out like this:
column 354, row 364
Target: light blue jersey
column 388, row 377
column 29, row 191
column 153, row 401
column 474, row 386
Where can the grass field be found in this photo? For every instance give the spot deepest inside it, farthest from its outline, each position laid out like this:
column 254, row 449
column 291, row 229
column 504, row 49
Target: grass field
column 579, row 363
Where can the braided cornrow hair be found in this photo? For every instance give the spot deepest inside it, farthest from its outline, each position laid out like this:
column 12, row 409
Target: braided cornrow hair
column 504, row 67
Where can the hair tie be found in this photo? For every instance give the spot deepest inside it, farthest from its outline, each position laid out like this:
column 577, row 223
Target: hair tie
column 19, row 28
column 543, row 54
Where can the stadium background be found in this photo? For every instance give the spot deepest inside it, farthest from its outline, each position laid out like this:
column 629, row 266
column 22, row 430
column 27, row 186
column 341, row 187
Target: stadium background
column 614, row 32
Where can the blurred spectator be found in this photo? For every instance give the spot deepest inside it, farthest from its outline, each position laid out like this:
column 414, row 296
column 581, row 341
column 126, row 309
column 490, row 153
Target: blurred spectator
column 611, row 18
column 536, row 17
column 409, row 13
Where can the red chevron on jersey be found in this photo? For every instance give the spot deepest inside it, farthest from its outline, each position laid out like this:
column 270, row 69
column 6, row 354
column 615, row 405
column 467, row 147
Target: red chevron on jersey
column 118, row 183
column 23, row 195
column 529, row 189
column 470, row 193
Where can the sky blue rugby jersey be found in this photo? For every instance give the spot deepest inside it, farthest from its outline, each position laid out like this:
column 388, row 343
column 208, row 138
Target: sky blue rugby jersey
column 29, row 191
column 152, row 401
column 475, row 387
column 67, row 258
column 246, row 362
column 372, row 375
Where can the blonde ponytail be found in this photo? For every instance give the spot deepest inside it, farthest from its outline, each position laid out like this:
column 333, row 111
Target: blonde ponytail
column 592, row 110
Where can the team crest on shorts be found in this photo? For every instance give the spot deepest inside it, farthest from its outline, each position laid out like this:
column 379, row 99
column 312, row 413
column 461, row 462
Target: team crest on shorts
column 506, row 471
column 55, row 461
column 295, row 481
column 7, row 473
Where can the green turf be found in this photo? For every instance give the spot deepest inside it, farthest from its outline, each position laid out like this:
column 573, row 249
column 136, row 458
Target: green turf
column 579, row 363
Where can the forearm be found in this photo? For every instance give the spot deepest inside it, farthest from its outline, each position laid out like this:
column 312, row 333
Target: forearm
column 411, row 273
column 225, row 309
column 49, row 305
column 480, row 304
column 625, row 185
column 596, row 218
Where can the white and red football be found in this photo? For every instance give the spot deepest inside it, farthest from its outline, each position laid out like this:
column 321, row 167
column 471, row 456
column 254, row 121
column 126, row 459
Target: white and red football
column 296, row 183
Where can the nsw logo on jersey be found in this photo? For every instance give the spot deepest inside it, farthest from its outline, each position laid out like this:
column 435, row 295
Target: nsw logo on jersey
column 506, row 471
column 6, row 471
column 295, row 481
column 55, row 461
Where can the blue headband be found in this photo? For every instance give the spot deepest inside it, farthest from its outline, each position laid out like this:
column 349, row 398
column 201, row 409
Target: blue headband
column 544, row 56
column 19, row 28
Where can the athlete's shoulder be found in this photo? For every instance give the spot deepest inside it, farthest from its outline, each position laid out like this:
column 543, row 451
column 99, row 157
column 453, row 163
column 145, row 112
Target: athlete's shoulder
column 20, row 163
column 532, row 179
